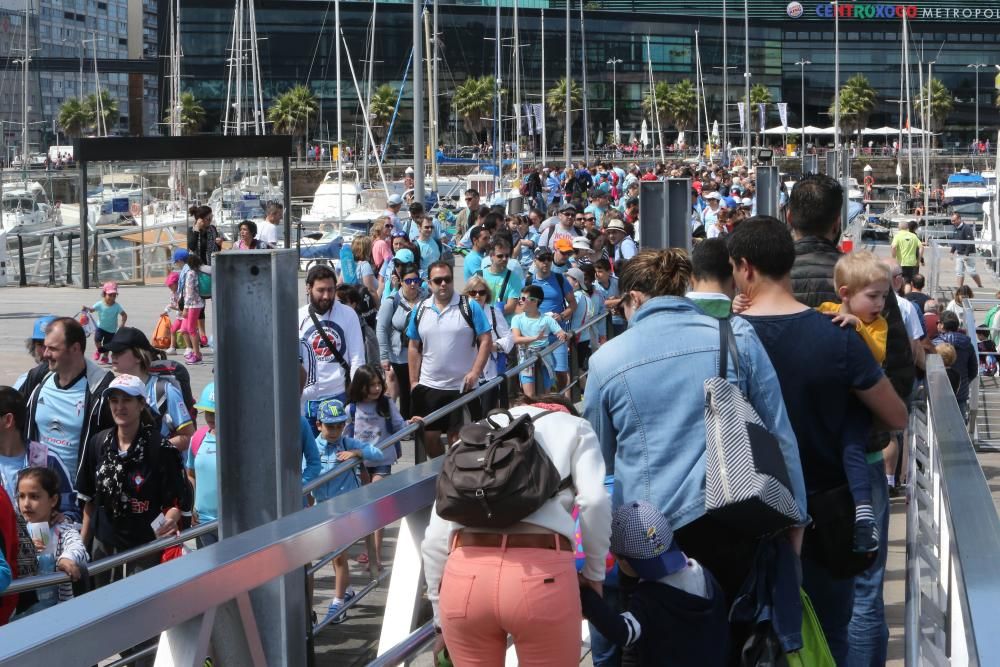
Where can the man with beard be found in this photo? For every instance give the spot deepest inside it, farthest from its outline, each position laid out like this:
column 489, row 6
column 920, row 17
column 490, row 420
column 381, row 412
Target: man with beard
column 333, row 330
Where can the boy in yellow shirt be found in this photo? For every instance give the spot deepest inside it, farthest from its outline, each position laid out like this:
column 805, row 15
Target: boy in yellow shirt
column 862, row 282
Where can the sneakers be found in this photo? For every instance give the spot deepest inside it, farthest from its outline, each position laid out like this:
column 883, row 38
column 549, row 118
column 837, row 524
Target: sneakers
column 335, row 608
column 192, row 358
column 171, row 350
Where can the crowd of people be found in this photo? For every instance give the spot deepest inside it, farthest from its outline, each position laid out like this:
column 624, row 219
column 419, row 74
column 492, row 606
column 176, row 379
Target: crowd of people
column 101, row 452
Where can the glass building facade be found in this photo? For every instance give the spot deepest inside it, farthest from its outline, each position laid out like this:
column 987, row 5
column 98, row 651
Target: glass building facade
column 297, row 46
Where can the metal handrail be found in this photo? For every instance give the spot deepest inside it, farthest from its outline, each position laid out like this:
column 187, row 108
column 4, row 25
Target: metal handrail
column 963, row 523
column 123, row 557
column 155, row 600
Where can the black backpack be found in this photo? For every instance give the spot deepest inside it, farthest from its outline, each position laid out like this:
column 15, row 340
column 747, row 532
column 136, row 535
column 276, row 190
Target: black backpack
column 170, row 372
column 496, row 474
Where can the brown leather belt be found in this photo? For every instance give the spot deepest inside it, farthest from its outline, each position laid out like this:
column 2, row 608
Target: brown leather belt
column 467, row 538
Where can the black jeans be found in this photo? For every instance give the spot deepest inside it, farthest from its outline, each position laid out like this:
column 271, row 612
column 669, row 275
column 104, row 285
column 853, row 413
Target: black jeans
column 402, row 372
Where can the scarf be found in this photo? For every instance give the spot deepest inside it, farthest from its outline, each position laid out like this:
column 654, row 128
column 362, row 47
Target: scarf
column 112, row 473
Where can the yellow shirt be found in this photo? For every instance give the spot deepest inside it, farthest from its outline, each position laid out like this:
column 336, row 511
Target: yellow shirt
column 874, row 333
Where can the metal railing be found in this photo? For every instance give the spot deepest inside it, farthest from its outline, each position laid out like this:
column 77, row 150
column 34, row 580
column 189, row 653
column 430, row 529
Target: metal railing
column 952, row 538
column 534, row 359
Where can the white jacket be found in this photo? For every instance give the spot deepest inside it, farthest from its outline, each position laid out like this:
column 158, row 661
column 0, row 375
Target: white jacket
column 572, row 446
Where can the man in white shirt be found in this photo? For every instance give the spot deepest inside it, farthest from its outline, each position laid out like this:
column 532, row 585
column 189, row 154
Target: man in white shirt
column 392, row 206
column 269, row 231
column 341, row 328
column 563, row 230
column 622, row 245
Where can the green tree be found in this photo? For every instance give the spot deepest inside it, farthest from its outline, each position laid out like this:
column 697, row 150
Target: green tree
column 474, row 102
column 290, row 114
column 74, row 117
column 940, row 105
column 191, row 114
column 682, row 105
column 662, row 96
column 857, row 100
column 107, row 118
column 555, row 100
column 380, row 109
column 759, row 94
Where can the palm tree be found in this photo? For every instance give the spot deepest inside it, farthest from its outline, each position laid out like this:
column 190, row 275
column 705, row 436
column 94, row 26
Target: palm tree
column 759, row 94
column 662, row 96
column 857, row 99
column 555, row 100
column 682, row 104
column 380, row 109
column 109, row 112
column 290, row 113
column 940, row 104
column 192, row 114
column 74, row 117
column 474, row 102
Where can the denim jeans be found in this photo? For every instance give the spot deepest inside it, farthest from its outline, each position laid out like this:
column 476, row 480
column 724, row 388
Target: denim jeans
column 868, row 632
column 833, row 600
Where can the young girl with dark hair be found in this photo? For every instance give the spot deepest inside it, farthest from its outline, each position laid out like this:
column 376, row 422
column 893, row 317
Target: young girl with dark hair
column 373, row 418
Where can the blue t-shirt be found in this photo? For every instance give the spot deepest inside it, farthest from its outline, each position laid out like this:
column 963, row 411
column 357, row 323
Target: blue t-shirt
column 328, row 460
column 175, row 408
column 610, row 292
column 555, row 288
column 205, row 466
column 818, row 365
column 532, row 326
column 526, row 255
column 59, row 417
column 107, row 316
column 513, row 289
column 9, row 467
column 429, row 253
column 473, row 263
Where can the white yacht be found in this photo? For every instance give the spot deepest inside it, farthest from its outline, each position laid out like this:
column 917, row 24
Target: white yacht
column 334, row 201
column 965, row 187
column 25, row 208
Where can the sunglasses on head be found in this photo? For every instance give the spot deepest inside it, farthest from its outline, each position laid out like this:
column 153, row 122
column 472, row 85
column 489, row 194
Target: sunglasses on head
column 442, row 280
column 411, row 281
column 398, row 235
column 477, row 292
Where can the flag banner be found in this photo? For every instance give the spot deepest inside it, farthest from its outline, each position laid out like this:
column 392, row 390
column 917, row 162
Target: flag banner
column 761, row 115
column 740, row 109
column 539, row 117
column 783, row 114
column 529, row 119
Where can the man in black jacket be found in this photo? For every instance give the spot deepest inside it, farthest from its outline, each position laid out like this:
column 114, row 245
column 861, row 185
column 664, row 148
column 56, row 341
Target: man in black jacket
column 814, row 216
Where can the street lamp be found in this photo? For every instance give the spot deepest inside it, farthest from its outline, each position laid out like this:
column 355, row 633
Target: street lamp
column 976, row 66
column 614, row 62
column 802, row 114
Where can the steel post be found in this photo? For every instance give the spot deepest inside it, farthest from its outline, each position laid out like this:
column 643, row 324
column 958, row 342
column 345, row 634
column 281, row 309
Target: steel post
column 84, row 256
column 23, row 280
column 286, row 193
column 255, row 294
column 52, row 260
column 575, row 392
column 679, row 213
column 69, row 260
column 97, row 262
column 811, row 164
column 768, row 184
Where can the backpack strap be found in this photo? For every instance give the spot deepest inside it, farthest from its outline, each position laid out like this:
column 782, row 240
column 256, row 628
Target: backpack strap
column 197, row 439
column 160, row 389
column 466, row 310
column 727, row 349
column 503, row 285
column 562, row 286
column 493, row 316
column 337, row 355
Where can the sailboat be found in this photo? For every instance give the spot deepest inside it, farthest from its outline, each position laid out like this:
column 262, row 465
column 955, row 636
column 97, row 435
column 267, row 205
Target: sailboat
column 242, row 195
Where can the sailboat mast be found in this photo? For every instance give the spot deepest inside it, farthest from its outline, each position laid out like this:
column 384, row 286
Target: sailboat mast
column 517, row 93
column 498, row 108
column 340, row 145
column 434, row 96
column 368, row 92
column 697, row 88
column 24, row 91
column 906, row 77
column 583, row 65
column 418, row 106
column 746, row 78
column 725, row 84
column 431, row 120
column 567, row 132
column 656, row 106
column 544, row 161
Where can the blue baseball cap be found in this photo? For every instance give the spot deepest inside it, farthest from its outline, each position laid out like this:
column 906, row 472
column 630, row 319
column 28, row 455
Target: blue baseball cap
column 404, row 256
column 332, row 412
column 642, row 536
column 180, row 255
column 206, row 402
column 38, row 331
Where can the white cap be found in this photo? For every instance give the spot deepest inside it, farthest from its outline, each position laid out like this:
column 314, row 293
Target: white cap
column 395, row 200
column 581, row 243
column 128, row 384
column 714, row 195
column 409, row 170
column 747, row 201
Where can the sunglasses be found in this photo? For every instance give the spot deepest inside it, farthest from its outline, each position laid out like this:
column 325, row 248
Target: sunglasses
column 411, row 281
column 501, row 256
column 544, row 258
column 523, row 299
column 442, row 280
column 477, row 292
column 398, row 235
column 590, row 219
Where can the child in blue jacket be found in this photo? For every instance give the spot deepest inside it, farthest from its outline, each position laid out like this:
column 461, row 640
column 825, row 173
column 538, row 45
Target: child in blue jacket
column 335, row 448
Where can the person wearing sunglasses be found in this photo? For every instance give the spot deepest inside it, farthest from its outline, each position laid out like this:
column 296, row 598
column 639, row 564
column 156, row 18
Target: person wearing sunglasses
column 430, row 248
column 503, row 282
column 390, row 330
column 479, row 290
column 599, row 205
column 558, row 301
column 469, row 215
column 449, row 343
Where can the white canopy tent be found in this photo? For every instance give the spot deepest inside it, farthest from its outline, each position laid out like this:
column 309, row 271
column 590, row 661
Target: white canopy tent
column 829, row 131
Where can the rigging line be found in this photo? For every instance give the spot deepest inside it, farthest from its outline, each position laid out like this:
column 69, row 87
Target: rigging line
column 319, row 37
